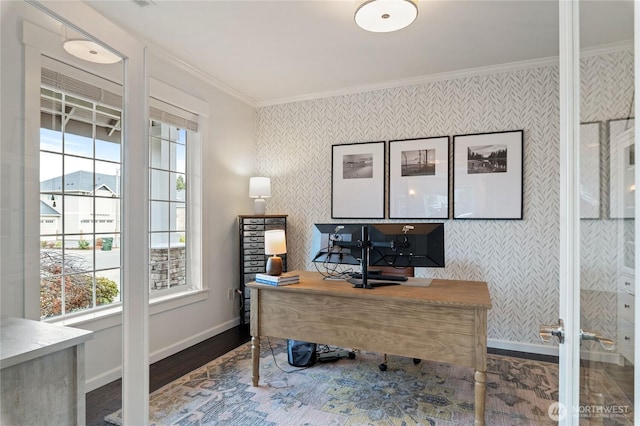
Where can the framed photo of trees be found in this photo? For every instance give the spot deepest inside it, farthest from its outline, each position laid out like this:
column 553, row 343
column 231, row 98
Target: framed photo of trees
column 488, row 175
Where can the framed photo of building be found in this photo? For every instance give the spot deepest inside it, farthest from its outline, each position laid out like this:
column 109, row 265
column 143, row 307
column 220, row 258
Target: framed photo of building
column 358, row 180
column 488, row 175
column 419, row 178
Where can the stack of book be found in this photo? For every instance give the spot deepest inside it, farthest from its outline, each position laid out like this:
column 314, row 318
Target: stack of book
column 285, row 278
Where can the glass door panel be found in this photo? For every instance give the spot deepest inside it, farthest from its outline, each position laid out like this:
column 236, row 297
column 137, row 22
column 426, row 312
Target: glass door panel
column 606, row 215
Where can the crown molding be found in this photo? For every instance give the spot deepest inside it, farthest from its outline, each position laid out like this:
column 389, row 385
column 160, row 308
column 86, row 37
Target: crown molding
column 161, row 53
column 450, row 75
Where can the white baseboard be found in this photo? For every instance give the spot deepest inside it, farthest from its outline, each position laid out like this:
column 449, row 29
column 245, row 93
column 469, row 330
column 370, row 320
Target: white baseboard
column 608, row 357
column 116, row 373
column 534, row 348
column 192, row 340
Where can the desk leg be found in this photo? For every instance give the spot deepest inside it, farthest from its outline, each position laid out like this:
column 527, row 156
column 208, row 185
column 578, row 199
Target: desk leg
column 255, row 359
column 480, row 378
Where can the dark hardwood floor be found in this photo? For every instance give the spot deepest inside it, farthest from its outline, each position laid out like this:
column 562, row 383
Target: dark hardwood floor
column 107, row 399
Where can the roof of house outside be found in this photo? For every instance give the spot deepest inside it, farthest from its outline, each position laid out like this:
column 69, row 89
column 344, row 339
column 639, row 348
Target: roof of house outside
column 80, row 181
column 47, row 210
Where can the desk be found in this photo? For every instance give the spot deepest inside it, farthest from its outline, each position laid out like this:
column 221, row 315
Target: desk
column 444, row 322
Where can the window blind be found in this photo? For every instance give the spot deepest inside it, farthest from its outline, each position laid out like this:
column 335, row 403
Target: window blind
column 80, row 88
column 172, row 115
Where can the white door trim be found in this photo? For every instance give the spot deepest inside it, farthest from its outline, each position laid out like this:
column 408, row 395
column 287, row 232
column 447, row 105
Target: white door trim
column 569, row 279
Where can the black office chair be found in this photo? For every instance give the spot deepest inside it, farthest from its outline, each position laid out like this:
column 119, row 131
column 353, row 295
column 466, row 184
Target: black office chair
column 401, row 272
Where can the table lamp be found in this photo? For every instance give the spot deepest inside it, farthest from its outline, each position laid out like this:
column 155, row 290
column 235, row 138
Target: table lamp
column 275, row 243
column 259, row 188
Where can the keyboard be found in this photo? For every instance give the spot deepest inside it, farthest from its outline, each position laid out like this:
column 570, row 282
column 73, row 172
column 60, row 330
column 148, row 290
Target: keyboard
column 379, row 277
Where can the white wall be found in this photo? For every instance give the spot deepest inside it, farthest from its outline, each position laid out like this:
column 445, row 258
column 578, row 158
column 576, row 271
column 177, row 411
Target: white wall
column 228, row 161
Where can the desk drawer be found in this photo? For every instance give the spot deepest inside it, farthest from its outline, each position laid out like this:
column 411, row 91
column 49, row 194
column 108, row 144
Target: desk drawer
column 275, row 221
column 246, row 240
column 253, row 269
column 253, row 221
column 246, row 234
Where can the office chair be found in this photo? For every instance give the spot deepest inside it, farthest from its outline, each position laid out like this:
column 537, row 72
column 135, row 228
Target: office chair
column 401, row 272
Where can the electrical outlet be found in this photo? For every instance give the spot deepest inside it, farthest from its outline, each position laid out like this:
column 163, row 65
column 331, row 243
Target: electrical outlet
column 230, row 294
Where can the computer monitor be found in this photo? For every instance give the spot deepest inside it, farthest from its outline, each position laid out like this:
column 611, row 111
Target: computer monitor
column 390, row 244
column 337, row 243
column 407, row 245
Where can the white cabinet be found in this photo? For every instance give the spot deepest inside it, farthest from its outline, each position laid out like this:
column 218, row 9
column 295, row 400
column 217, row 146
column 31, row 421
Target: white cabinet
column 622, row 209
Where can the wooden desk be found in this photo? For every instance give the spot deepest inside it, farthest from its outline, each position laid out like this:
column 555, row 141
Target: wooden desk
column 445, row 322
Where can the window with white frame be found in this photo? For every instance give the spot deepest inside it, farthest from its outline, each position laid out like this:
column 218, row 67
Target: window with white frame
column 80, row 164
column 173, row 191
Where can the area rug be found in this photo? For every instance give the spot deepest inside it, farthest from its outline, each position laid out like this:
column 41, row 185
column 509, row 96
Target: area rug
column 352, row 392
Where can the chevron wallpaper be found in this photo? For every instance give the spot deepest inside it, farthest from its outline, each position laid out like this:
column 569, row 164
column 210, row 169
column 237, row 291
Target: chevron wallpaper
column 519, row 259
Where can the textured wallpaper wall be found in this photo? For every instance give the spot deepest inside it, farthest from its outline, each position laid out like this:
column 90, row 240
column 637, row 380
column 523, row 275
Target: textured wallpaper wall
column 518, row 259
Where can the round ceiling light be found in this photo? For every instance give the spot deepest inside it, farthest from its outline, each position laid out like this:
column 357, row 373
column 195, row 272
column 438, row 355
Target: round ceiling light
column 383, row 16
column 90, row 51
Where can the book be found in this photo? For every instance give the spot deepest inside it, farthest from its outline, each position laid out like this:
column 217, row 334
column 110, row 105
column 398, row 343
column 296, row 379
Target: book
column 282, row 279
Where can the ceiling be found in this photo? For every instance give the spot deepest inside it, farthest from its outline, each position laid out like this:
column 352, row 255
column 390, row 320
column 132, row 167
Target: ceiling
column 269, row 52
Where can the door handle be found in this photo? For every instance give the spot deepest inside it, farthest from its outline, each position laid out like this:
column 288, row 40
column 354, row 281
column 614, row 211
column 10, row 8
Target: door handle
column 548, row 331
column 607, row 344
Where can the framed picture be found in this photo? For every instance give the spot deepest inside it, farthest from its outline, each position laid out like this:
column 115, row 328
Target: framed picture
column 590, row 170
column 488, row 175
column 621, row 168
column 419, row 178
column 357, row 180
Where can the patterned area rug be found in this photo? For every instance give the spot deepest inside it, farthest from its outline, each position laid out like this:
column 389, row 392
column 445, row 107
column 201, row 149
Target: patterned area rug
column 353, row 392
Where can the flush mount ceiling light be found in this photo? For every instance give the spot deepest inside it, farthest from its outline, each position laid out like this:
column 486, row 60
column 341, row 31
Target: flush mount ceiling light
column 90, row 51
column 383, row 16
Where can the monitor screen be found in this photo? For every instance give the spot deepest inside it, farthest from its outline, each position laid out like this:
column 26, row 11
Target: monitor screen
column 337, row 243
column 403, row 245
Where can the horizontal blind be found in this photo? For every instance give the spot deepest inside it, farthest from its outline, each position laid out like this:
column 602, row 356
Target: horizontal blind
column 79, row 88
column 172, row 115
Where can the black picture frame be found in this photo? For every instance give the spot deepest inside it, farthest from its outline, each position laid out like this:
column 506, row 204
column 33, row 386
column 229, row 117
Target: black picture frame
column 358, row 177
column 419, row 178
column 488, row 175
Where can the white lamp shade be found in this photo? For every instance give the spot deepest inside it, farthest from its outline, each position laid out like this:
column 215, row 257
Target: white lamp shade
column 275, row 242
column 259, row 187
column 383, row 16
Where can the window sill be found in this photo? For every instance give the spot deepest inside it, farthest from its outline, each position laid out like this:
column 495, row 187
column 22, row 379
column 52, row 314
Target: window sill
column 112, row 316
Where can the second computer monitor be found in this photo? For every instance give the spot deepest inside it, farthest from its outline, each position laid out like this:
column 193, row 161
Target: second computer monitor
column 404, row 245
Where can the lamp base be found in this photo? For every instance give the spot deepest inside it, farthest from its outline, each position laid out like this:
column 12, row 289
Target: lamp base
column 259, row 206
column 274, row 265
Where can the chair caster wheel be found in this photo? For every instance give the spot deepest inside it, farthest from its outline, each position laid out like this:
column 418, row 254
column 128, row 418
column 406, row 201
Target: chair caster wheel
column 352, row 355
column 416, row 361
column 383, row 367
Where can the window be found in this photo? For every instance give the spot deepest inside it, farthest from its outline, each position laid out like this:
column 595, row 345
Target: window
column 173, row 136
column 80, row 163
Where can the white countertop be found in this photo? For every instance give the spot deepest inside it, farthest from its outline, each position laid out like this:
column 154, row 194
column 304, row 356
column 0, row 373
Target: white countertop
column 22, row 340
